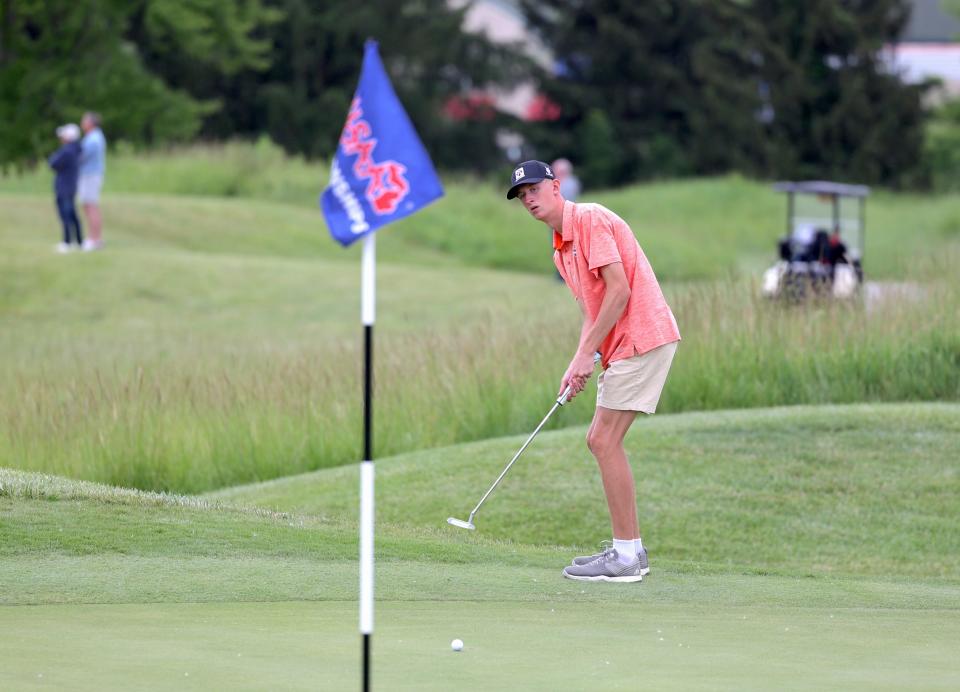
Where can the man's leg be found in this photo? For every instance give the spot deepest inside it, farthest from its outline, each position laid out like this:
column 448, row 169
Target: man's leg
column 92, row 212
column 605, row 440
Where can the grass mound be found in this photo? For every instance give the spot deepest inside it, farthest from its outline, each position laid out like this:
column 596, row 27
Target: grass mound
column 828, row 492
column 805, row 490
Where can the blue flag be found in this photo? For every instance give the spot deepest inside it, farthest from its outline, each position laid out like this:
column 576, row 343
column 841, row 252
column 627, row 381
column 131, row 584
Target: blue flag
column 381, row 172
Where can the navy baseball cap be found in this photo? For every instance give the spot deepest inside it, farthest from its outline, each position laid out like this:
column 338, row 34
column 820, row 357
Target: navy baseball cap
column 529, row 172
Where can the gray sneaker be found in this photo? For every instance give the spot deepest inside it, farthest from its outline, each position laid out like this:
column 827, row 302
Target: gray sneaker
column 607, row 567
column 606, row 545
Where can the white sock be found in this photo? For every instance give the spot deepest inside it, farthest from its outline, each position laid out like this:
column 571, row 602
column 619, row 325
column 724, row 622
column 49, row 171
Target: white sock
column 625, row 552
column 638, row 546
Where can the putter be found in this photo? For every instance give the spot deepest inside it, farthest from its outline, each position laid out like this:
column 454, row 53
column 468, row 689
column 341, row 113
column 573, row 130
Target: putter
column 468, row 524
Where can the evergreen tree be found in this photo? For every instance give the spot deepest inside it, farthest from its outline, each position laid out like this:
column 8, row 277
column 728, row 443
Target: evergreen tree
column 838, row 110
column 678, row 81
column 770, row 87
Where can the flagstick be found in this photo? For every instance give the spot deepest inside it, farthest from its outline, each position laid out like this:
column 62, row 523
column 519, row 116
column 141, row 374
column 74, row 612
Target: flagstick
column 368, row 300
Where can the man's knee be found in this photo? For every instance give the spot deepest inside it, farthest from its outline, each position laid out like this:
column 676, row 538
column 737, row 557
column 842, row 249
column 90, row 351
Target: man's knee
column 601, row 441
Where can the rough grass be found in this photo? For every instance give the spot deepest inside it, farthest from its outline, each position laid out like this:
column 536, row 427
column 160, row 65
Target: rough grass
column 211, row 411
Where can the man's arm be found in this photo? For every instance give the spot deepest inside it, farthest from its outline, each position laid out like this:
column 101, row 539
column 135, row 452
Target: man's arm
column 615, row 298
column 56, row 159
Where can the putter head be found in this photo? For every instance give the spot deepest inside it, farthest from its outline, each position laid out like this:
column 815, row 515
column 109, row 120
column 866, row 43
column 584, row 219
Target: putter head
column 461, row 523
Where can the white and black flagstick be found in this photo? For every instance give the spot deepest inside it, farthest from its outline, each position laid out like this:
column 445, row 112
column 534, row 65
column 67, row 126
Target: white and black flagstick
column 368, row 303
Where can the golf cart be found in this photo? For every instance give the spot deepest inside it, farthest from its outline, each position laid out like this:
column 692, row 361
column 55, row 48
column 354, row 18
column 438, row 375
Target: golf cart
column 822, row 252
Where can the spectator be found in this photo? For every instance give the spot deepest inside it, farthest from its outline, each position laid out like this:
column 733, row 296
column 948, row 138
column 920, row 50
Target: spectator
column 66, row 162
column 569, row 183
column 92, row 170
column 569, row 188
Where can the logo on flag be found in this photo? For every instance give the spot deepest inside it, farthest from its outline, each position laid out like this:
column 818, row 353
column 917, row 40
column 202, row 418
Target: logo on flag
column 381, row 171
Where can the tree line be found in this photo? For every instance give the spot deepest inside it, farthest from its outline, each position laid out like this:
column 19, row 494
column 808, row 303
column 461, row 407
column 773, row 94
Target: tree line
column 638, row 90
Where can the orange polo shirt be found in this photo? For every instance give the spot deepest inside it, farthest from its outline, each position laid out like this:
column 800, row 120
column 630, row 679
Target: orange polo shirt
column 593, row 237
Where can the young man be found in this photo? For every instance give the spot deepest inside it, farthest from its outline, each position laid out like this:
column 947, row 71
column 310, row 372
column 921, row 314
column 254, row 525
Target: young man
column 627, row 320
column 66, row 162
column 92, row 169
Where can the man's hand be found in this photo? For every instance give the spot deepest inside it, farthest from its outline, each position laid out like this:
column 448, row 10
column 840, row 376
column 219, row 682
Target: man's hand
column 578, row 372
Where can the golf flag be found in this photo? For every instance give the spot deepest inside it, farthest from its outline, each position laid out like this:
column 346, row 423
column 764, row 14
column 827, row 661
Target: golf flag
column 381, row 172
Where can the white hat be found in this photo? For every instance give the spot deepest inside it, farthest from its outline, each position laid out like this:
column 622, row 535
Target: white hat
column 69, row 132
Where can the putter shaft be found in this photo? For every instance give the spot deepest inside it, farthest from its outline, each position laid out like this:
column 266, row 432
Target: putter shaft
column 561, row 400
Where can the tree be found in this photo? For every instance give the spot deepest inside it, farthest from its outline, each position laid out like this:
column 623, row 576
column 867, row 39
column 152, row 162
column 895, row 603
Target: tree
column 678, row 81
column 769, row 87
column 839, row 112
column 60, row 58
column 302, row 100
column 163, row 70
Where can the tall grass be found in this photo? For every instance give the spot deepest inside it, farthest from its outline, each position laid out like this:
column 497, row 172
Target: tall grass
column 259, row 170
column 190, row 423
column 741, row 351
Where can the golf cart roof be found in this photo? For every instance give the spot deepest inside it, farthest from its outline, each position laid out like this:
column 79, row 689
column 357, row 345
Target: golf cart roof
column 822, row 187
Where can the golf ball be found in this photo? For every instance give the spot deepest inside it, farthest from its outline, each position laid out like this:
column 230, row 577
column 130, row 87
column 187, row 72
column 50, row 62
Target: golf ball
column 456, row 644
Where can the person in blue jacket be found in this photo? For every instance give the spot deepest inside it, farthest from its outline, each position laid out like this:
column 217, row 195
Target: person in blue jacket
column 66, row 162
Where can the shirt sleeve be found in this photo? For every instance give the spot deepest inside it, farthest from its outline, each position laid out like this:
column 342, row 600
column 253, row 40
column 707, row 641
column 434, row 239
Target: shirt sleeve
column 602, row 246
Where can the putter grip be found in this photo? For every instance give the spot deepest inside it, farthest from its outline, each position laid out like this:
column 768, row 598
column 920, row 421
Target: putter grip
column 562, row 399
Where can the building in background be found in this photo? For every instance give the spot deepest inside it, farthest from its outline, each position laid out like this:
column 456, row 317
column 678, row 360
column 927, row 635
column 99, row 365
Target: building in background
column 501, row 21
column 929, row 48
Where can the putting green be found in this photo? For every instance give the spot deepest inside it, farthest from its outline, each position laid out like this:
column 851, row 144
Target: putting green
column 529, row 646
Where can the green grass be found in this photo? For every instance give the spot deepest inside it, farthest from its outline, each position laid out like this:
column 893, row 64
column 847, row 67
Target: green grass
column 803, row 548
column 173, row 395
column 216, row 341
column 508, row 646
column 695, row 229
column 235, row 169
column 805, row 490
column 835, row 491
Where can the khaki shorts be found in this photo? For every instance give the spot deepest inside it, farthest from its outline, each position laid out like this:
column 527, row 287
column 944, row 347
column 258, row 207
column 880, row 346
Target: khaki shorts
column 635, row 384
column 88, row 188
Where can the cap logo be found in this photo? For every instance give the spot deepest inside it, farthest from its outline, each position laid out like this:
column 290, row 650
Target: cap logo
column 517, row 174
column 549, row 172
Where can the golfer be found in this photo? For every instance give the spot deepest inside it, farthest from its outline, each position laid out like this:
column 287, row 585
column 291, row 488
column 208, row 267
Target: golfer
column 627, row 320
